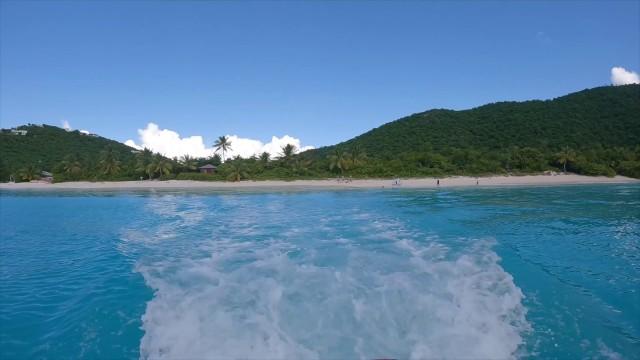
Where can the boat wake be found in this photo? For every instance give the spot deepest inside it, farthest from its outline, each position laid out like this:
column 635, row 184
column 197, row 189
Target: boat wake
column 313, row 287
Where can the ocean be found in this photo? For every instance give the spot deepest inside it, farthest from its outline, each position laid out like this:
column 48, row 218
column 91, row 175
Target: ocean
column 492, row 273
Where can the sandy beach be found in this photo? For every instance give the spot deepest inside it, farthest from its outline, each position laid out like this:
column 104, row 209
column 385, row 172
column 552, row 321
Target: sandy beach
column 414, row 183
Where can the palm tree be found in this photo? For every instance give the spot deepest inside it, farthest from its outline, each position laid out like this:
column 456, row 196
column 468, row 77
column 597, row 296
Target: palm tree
column 28, row 173
column 161, row 165
column 109, row 161
column 264, row 157
column 287, row 152
column 564, row 156
column 237, row 171
column 71, row 166
column 188, row 163
column 339, row 160
column 215, row 160
column 143, row 159
column 358, row 156
column 222, row 144
column 150, row 169
column 301, row 166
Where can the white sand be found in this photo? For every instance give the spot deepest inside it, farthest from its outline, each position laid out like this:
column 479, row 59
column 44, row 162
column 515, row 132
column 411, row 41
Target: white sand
column 461, row 181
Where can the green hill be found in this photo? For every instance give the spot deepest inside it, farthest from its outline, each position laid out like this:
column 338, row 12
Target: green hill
column 45, row 147
column 592, row 132
column 600, row 127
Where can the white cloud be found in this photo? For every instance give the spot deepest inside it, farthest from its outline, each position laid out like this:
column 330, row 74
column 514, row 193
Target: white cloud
column 67, row 126
column 170, row 144
column 622, row 76
column 133, row 144
column 248, row 147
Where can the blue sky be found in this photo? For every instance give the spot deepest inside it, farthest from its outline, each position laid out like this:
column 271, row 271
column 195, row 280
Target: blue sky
column 322, row 72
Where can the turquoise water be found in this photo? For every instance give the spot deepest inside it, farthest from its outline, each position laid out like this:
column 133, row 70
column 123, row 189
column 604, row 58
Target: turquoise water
column 549, row 272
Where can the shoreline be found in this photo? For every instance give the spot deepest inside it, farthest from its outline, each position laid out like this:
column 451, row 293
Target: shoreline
column 411, row 183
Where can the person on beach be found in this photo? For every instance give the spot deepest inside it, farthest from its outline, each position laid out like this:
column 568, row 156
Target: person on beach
column 438, row 182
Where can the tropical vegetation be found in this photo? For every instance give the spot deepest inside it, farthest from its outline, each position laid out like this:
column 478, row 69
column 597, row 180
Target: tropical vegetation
column 592, row 132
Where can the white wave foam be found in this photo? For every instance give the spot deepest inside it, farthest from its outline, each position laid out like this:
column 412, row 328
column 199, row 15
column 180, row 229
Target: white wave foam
column 275, row 300
column 606, row 352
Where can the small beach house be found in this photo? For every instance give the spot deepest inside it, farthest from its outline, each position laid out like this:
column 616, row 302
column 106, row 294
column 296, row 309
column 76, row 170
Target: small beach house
column 207, row 169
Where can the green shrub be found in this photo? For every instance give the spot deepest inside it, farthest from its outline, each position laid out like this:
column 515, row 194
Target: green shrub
column 585, row 167
column 629, row 168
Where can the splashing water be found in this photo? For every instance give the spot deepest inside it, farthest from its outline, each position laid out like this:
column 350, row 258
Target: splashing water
column 308, row 284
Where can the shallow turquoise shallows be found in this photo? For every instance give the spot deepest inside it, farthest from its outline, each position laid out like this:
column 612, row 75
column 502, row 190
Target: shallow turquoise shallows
column 549, row 272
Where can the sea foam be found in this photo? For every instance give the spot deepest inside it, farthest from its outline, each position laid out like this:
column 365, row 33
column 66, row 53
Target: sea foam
column 323, row 294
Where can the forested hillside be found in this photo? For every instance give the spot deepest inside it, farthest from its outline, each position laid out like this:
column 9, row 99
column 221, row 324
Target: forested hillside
column 46, row 147
column 592, row 132
column 596, row 131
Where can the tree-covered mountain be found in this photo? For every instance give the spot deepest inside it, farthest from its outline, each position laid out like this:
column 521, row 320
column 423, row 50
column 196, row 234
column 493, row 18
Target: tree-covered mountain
column 27, row 151
column 592, row 132
column 600, row 129
column 45, row 148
